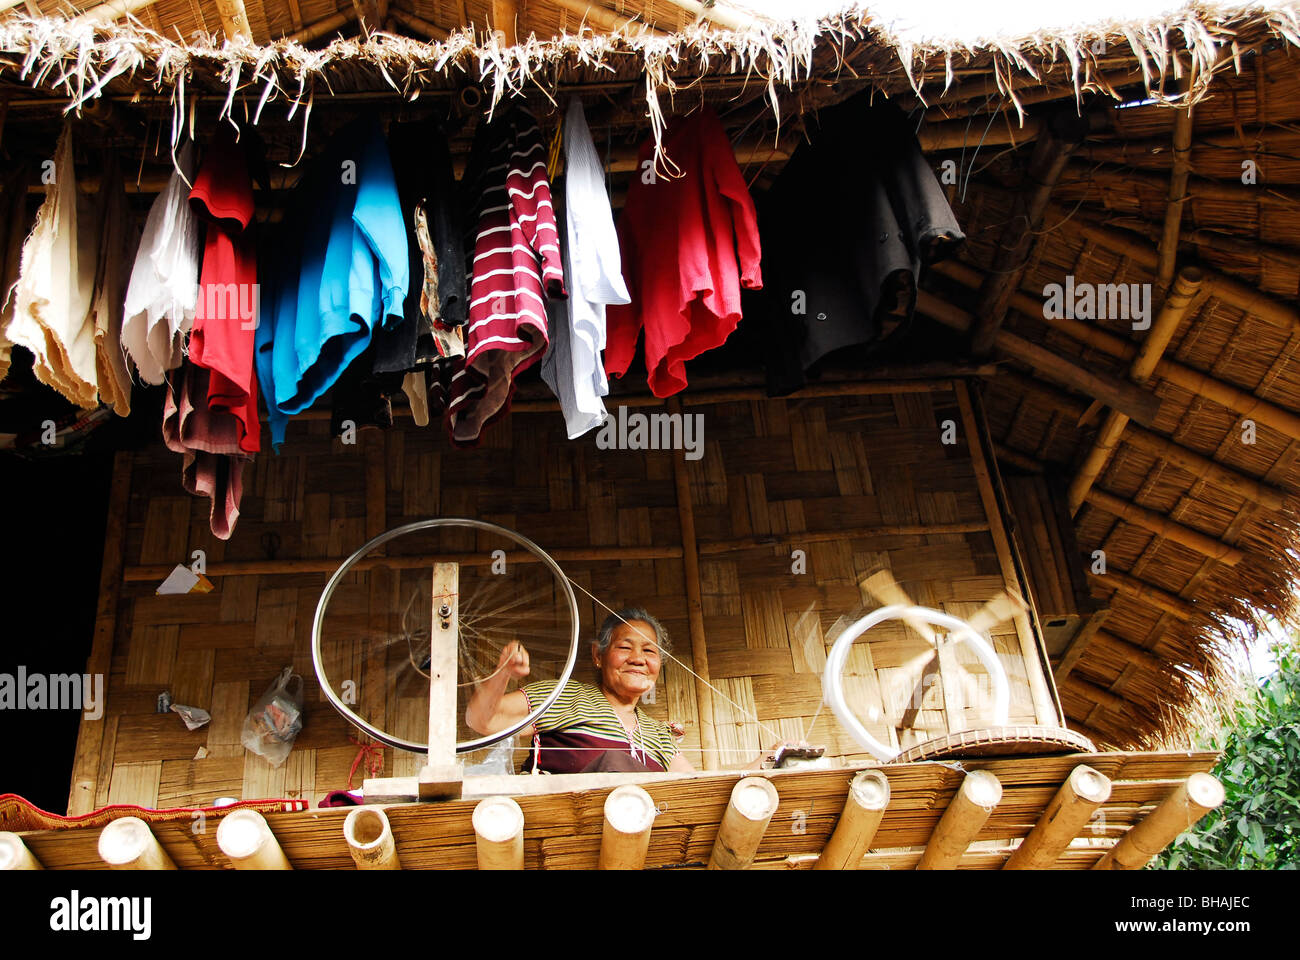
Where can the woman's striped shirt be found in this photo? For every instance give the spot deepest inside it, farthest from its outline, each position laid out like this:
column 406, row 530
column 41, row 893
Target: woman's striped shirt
column 581, row 723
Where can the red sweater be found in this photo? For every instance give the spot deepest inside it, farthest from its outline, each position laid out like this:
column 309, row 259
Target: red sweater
column 680, row 238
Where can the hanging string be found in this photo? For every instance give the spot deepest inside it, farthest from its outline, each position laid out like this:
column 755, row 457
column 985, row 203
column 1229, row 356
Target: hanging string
column 373, row 755
column 680, row 664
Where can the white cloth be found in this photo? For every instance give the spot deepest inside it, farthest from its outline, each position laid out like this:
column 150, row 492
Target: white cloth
column 164, row 286
column 56, row 281
column 593, row 270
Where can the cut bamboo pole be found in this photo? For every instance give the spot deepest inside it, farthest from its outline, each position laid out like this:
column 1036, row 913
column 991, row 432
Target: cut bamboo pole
column 128, row 844
column 1167, row 252
column 749, row 811
column 694, row 598
column 1148, row 356
column 370, row 839
column 625, row 837
column 971, row 806
column 499, row 834
column 247, row 841
column 864, row 808
column 14, row 854
column 1162, row 525
column 1084, row 790
column 1194, row 798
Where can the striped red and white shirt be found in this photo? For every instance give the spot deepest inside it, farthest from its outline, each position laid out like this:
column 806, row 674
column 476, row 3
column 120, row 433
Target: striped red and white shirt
column 515, row 267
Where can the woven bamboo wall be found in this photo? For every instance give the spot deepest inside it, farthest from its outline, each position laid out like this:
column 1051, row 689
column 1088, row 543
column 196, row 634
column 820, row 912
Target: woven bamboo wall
column 771, row 468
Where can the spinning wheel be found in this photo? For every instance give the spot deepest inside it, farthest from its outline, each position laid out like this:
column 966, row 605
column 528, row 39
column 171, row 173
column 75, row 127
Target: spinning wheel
column 442, row 598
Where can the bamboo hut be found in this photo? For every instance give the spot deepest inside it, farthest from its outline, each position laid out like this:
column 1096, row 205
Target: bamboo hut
column 1127, row 481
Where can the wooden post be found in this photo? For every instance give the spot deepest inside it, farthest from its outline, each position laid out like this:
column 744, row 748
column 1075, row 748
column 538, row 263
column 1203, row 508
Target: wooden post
column 499, row 834
column 864, row 808
column 749, row 811
column 246, row 839
column 1194, row 798
column 1036, row 665
column 370, row 839
column 442, row 774
column 14, row 854
column 694, row 600
column 128, row 844
column 1084, row 790
column 629, row 816
column 961, row 822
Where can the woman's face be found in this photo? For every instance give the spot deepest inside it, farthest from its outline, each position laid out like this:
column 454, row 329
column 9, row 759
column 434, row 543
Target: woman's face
column 630, row 665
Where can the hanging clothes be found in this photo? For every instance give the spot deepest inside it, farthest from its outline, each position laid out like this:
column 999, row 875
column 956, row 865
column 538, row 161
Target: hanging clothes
column 225, row 317
column 52, row 298
column 162, row 293
column 572, row 366
column 516, row 267
column 352, row 269
column 881, row 216
column 210, row 442
column 117, row 235
column 681, row 237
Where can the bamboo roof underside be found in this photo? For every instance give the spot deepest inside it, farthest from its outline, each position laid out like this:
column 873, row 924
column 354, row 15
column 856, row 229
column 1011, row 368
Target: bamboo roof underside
column 1176, row 605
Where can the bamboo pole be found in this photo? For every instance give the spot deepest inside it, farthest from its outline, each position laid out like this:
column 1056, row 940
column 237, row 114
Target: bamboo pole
column 1147, row 593
column 106, row 13
column 370, row 839
column 504, row 15
column 247, row 841
column 326, row 25
column 600, row 17
column 409, row 20
column 1167, row 252
column 694, row 599
column 127, row 843
column 1036, row 664
column 1163, row 526
column 499, row 834
column 753, row 802
column 731, row 19
column 14, row 854
column 970, row 808
column 625, row 836
column 234, row 19
column 1083, row 791
column 864, row 808
column 1194, row 798
column 1078, row 644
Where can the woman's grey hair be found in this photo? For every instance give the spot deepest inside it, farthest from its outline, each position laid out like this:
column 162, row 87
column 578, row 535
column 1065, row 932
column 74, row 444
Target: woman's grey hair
column 606, row 633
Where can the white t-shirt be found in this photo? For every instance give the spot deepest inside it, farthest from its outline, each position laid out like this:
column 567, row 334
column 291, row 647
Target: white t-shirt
column 164, row 287
column 593, row 272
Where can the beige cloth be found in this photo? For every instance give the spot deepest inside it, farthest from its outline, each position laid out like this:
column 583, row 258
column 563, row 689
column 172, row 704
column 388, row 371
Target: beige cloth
column 55, row 286
column 116, row 239
column 14, row 214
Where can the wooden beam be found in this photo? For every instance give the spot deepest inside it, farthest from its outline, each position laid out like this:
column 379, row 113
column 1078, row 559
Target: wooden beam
column 1141, row 404
column 419, row 25
column 970, row 808
column 106, row 13
column 323, row 27
column 90, row 735
column 1078, row 644
column 1035, row 663
column 1069, row 811
column 234, row 19
column 1163, row 526
column 1096, row 694
column 295, row 14
column 1167, row 253
column 1194, row 798
column 864, row 808
column 694, row 597
column 442, row 774
column 1062, row 133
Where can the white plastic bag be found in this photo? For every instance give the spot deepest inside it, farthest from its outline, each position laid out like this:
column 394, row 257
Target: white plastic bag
column 273, row 724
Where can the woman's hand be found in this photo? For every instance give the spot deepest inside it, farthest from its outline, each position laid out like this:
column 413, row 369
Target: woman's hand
column 516, row 657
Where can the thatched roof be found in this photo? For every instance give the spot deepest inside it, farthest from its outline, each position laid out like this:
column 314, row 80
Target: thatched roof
column 1197, row 525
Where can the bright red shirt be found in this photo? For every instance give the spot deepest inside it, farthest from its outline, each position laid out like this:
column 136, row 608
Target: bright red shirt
column 680, row 238
column 225, row 319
